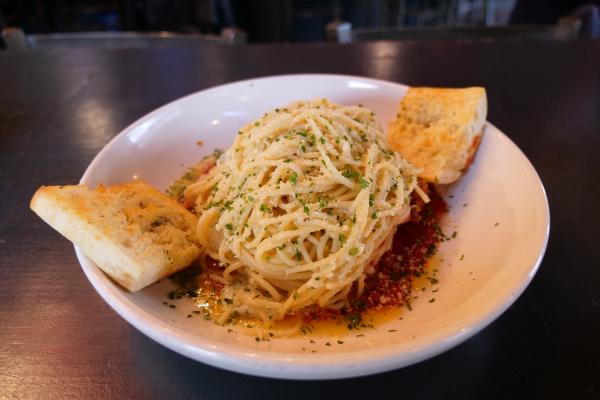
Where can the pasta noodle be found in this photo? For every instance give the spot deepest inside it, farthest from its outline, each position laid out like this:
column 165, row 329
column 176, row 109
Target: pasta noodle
column 296, row 211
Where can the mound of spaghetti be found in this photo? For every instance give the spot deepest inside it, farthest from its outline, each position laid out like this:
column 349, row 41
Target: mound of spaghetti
column 299, row 209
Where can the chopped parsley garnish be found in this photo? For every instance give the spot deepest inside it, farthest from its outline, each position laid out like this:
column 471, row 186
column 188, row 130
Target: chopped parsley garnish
column 350, row 174
column 294, row 178
column 342, row 238
column 323, row 201
column 306, row 328
column 229, row 227
column 185, row 280
column 353, row 251
column 159, row 221
column 431, row 249
column 353, row 321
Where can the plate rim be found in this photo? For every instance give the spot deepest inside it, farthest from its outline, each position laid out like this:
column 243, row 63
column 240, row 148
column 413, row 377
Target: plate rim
column 282, row 364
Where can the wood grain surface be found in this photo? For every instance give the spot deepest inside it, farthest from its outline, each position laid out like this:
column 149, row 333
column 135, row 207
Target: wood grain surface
column 58, row 339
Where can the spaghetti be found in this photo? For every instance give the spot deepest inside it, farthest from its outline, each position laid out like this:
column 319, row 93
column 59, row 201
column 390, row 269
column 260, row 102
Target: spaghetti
column 299, row 209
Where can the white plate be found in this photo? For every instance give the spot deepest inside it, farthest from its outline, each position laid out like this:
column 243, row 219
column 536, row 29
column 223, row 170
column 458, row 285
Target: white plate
column 502, row 235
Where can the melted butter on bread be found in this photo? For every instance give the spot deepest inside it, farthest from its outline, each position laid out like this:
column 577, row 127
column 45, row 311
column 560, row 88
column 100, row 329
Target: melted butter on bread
column 439, row 130
column 133, row 232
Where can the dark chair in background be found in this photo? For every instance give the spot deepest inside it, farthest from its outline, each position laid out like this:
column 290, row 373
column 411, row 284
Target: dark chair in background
column 567, row 28
column 122, row 24
column 15, row 39
column 138, row 23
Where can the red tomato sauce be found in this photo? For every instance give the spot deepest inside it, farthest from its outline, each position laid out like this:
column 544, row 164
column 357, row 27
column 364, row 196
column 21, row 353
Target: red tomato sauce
column 390, row 283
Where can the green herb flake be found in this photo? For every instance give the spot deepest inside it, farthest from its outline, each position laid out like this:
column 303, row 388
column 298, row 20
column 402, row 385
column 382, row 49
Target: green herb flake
column 353, row 321
column 306, row 328
column 350, row 174
column 431, row 249
column 294, row 178
column 353, row 251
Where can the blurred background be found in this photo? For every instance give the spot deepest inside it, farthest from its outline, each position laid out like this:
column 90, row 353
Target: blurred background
column 27, row 24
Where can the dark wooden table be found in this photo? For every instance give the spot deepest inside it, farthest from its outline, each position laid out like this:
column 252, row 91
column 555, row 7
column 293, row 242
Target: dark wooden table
column 58, row 339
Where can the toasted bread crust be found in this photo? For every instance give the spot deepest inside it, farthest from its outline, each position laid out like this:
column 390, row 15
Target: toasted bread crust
column 439, row 130
column 133, row 232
